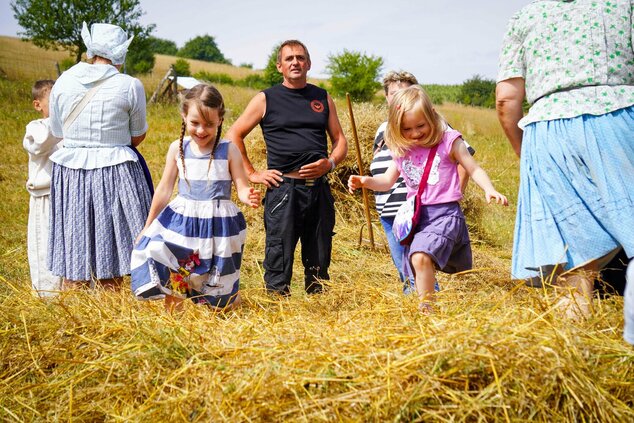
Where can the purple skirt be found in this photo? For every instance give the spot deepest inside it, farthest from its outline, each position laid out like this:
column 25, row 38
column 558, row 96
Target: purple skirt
column 442, row 234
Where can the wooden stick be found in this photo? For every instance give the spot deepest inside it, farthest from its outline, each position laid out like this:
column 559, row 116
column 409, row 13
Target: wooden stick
column 155, row 96
column 364, row 192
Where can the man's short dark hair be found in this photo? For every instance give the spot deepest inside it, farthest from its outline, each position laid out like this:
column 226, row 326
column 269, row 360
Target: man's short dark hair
column 291, row 43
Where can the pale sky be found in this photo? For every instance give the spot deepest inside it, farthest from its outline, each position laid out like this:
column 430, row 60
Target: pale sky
column 443, row 42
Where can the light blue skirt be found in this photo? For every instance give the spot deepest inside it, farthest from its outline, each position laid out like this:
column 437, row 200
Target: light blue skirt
column 576, row 196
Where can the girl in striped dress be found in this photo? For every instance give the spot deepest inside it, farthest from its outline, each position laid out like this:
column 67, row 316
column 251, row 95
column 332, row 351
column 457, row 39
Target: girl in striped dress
column 192, row 247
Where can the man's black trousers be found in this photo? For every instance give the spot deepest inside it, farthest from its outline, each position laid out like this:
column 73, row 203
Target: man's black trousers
column 298, row 210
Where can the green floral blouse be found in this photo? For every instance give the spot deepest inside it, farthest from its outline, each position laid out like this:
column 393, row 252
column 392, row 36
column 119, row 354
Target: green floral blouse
column 576, row 57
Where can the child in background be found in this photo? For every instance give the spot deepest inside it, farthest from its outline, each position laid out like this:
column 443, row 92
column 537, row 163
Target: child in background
column 192, row 247
column 441, row 238
column 40, row 143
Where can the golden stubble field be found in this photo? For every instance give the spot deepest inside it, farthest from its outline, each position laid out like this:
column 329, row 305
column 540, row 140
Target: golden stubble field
column 494, row 349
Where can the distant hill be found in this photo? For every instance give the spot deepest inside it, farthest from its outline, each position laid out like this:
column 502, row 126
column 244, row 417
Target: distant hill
column 22, row 60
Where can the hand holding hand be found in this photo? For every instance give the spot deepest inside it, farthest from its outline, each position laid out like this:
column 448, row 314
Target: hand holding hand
column 270, row 178
column 494, row 195
column 355, row 182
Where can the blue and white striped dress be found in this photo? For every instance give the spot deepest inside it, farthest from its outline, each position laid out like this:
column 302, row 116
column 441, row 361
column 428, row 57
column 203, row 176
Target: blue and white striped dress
column 200, row 230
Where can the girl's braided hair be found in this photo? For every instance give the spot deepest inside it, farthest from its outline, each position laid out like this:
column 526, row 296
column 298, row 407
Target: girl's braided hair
column 204, row 97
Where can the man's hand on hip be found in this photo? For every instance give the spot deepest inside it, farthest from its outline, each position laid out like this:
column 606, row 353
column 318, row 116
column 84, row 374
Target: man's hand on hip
column 315, row 169
column 268, row 177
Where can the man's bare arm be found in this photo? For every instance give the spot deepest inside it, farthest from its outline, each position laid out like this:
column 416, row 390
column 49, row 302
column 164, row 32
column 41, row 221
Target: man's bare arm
column 248, row 120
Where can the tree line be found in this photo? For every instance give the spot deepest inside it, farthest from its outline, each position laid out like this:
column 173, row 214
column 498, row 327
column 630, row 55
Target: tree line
column 56, row 24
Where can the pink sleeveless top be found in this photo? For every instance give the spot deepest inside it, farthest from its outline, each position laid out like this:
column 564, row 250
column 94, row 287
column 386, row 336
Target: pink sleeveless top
column 443, row 185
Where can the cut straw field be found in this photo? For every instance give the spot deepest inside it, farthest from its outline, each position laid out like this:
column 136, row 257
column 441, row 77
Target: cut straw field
column 493, row 350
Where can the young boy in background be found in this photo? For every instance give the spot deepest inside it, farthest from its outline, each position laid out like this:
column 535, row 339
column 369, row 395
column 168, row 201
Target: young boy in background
column 40, row 144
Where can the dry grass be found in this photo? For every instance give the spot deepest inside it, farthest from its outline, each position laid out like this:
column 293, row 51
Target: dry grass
column 359, row 352
column 493, row 350
column 163, row 63
column 22, row 60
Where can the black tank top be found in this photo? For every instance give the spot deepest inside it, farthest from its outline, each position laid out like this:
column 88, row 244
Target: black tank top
column 294, row 126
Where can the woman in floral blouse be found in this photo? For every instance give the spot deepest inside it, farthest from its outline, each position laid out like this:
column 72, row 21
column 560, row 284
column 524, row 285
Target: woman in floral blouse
column 573, row 62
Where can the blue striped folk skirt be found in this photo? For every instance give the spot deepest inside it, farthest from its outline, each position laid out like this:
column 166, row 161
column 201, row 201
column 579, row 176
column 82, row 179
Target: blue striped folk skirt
column 192, row 249
column 576, row 196
column 95, row 216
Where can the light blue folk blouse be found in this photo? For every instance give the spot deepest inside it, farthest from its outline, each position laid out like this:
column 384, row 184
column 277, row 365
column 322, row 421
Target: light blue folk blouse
column 101, row 134
column 576, row 57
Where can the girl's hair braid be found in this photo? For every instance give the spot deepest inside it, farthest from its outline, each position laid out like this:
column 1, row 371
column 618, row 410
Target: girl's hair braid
column 213, row 149
column 182, row 152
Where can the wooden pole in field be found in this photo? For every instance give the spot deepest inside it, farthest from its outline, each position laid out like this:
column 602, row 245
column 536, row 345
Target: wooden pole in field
column 364, row 192
column 157, row 93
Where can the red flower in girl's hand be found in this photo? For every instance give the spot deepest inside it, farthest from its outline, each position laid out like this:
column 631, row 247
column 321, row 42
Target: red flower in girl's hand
column 180, row 278
column 191, row 261
column 179, row 284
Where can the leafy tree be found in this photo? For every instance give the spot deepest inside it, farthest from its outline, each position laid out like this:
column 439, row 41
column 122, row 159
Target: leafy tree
column 162, row 46
column 140, row 57
column 246, row 65
column 355, row 73
column 56, row 24
column 203, row 48
column 478, row 91
column 181, row 67
column 271, row 75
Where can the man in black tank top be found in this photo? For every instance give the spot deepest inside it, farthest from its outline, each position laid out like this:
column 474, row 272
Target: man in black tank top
column 296, row 119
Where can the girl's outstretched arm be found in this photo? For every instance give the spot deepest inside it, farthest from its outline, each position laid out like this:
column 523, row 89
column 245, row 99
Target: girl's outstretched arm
column 165, row 188
column 382, row 182
column 460, row 154
column 246, row 193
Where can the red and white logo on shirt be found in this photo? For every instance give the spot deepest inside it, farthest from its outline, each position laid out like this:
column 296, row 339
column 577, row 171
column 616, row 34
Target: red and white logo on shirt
column 317, row 106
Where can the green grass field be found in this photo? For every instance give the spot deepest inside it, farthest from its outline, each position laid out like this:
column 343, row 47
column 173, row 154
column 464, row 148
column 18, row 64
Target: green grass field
column 493, row 350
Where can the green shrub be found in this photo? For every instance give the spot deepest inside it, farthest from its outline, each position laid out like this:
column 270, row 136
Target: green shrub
column 140, row 58
column 440, row 94
column 215, row 78
column 181, row 67
column 203, row 47
column 355, row 73
column 162, row 46
column 253, row 81
column 271, row 75
column 478, row 91
column 141, row 66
